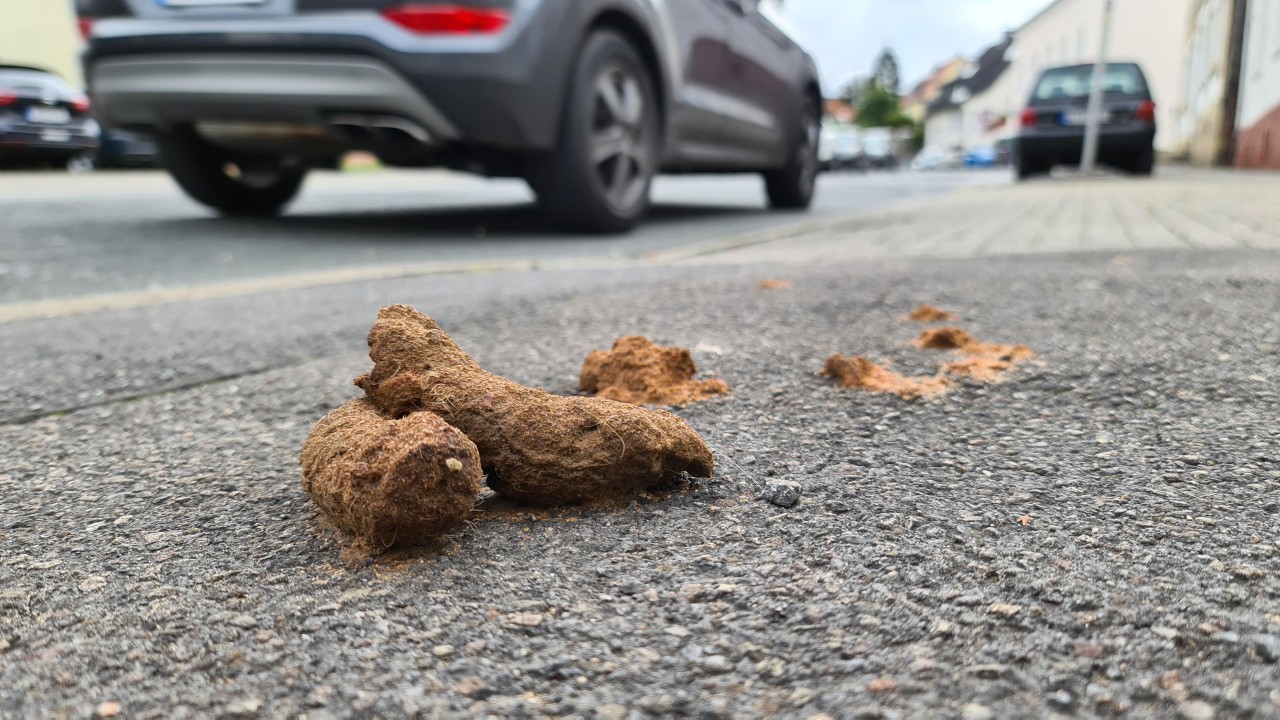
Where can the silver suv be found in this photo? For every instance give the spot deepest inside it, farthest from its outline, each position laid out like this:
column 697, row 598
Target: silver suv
column 586, row 99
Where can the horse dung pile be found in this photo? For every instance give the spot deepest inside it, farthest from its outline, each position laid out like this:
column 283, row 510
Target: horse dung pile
column 536, row 448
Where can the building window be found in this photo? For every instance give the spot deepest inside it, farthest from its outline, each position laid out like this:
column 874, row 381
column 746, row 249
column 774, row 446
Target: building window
column 1268, row 16
column 1274, row 6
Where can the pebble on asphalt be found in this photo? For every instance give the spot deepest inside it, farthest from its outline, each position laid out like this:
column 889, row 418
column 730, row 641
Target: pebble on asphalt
column 783, row 493
column 1267, row 647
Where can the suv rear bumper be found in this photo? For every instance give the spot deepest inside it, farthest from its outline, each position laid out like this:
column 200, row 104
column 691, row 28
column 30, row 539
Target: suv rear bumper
column 1064, row 146
column 502, row 91
column 159, row 90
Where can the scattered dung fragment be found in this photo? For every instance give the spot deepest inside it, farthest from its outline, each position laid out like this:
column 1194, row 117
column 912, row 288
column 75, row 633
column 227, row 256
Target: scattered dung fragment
column 981, row 369
column 983, row 362
column 944, row 338
column 774, row 284
column 390, row 481
column 538, row 448
column 859, row 373
column 638, row 372
column 929, row 313
column 953, row 338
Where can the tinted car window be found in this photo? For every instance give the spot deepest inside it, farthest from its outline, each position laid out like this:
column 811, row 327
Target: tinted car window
column 32, row 81
column 1072, row 83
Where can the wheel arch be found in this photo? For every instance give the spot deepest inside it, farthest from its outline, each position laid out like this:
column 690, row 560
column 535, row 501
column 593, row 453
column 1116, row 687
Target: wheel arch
column 621, row 19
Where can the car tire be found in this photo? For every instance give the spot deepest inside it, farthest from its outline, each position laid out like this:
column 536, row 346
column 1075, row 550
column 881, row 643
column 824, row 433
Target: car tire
column 1028, row 169
column 1145, row 164
column 792, row 186
column 233, row 185
column 598, row 179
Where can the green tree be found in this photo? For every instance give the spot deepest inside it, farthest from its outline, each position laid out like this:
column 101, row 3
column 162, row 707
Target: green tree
column 879, row 108
column 855, row 90
column 886, row 73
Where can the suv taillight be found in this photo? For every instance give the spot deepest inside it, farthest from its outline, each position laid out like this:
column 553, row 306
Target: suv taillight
column 1029, row 117
column 7, row 98
column 448, row 19
column 86, row 27
column 1146, row 112
column 81, row 104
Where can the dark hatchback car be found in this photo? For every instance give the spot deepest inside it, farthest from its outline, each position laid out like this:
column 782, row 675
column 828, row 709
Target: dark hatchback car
column 43, row 120
column 1053, row 123
column 585, row 99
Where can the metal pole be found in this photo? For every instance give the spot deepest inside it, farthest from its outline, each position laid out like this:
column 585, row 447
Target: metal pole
column 1093, row 122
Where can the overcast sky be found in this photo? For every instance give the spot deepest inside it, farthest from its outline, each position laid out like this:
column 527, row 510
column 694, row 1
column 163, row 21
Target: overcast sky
column 845, row 36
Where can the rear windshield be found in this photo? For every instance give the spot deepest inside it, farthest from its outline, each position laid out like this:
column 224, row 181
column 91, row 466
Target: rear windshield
column 1072, row 83
column 32, row 81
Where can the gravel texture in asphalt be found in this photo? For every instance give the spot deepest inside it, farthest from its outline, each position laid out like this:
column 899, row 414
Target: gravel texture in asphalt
column 1097, row 535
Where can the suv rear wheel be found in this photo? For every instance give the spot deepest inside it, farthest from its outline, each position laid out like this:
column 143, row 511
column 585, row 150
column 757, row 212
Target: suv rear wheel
column 229, row 183
column 792, row 186
column 1145, row 163
column 598, row 178
column 1030, row 167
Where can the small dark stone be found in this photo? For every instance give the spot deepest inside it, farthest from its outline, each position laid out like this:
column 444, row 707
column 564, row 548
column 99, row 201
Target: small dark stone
column 783, row 493
column 1267, row 647
column 1061, row 699
column 630, row 586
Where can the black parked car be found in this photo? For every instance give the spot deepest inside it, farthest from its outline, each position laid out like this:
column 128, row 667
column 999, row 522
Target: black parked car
column 43, row 120
column 586, row 99
column 1053, row 123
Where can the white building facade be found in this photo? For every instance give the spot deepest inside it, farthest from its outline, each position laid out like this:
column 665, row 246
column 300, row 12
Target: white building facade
column 992, row 114
column 1258, row 115
column 41, row 34
column 944, row 131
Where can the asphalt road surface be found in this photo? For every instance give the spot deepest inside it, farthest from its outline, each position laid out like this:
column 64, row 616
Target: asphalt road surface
column 1094, row 536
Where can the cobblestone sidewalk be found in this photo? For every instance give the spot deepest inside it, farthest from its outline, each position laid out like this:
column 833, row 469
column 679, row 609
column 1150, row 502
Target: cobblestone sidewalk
column 1179, row 209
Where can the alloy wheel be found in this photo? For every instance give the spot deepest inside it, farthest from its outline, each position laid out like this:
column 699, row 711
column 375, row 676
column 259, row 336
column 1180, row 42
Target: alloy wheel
column 619, row 146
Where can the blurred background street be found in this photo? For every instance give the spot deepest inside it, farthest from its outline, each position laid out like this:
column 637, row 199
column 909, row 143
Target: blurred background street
column 67, row 236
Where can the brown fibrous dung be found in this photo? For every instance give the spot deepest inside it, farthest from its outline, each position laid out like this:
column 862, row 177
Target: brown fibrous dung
column 390, row 481
column 538, row 448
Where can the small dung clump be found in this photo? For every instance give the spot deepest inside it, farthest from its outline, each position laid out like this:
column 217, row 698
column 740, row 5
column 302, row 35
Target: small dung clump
column 538, row 448
column 638, row 372
column 859, row 373
column 390, row 481
column 774, row 284
column 929, row 313
column 944, row 338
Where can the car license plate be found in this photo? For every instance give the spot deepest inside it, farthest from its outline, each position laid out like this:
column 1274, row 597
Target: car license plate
column 59, row 136
column 1080, row 117
column 48, row 115
column 206, row 3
